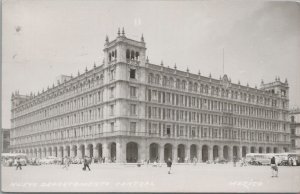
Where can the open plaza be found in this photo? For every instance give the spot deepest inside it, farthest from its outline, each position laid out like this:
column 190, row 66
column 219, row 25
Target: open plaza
column 146, row 178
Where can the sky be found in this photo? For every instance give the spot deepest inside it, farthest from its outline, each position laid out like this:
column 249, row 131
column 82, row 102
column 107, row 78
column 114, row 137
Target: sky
column 44, row 39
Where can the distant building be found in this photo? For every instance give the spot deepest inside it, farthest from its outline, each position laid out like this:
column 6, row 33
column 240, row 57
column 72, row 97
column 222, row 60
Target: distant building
column 130, row 110
column 5, row 140
column 295, row 130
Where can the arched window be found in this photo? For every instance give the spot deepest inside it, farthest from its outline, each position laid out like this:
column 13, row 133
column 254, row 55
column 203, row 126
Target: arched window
column 157, row 78
column 171, row 82
column 165, row 80
column 177, row 83
column 150, row 78
column 109, row 57
column 132, row 55
column 195, row 87
column 293, row 119
column 212, row 90
column 183, row 84
column 127, row 54
column 190, row 86
column 206, row 89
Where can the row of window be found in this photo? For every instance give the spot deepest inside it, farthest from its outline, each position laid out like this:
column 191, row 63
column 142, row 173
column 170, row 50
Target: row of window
column 203, row 103
column 212, row 119
column 212, row 90
column 173, row 130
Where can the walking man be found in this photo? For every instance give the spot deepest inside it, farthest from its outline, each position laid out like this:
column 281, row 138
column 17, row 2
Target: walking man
column 169, row 165
column 66, row 163
column 274, row 167
column 19, row 164
column 86, row 163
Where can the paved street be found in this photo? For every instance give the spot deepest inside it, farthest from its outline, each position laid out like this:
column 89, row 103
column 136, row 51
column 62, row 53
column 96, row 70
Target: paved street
column 127, row 178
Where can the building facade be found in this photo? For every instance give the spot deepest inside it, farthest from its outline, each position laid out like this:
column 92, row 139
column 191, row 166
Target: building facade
column 130, row 110
column 5, row 136
column 295, row 130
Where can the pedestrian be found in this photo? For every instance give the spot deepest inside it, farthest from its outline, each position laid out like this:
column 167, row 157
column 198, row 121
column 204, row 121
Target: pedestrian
column 86, row 164
column 274, row 167
column 234, row 161
column 19, row 164
column 66, row 163
column 169, row 165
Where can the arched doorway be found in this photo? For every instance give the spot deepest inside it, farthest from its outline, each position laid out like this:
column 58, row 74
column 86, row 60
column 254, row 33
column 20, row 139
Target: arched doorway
column 215, row 152
column 55, row 151
column 153, row 152
column 252, row 149
column 113, row 153
column 193, row 152
column 235, row 151
column 244, row 151
column 99, row 150
column 181, row 153
column 275, row 150
column 61, row 152
column 226, row 152
column 68, row 151
column 40, row 153
column 91, row 150
column 82, row 150
column 168, row 152
column 50, row 151
column 204, row 153
column 74, row 149
column 132, row 152
column 268, row 150
column 260, row 150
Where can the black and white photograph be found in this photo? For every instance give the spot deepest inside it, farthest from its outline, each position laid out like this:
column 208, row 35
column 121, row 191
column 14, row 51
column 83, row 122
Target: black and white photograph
column 199, row 96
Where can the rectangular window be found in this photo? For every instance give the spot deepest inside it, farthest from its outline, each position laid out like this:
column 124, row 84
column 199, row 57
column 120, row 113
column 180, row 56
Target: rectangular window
column 132, row 127
column 112, row 89
column 112, row 126
column 112, row 74
column 111, row 110
column 132, row 73
column 132, row 91
column 133, row 109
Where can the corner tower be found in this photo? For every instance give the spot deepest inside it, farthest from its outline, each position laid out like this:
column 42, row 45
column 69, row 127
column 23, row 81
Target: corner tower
column 124, row 50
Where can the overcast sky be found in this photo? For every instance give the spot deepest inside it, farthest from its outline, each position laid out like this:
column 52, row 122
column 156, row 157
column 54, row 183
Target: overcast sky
column 43, row 39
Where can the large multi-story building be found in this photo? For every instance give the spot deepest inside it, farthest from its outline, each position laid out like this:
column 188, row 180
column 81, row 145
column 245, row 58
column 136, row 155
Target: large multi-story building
column 130, row 110
column 295, row 130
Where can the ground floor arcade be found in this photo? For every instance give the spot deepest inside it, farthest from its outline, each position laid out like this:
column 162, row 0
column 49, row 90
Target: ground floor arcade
column 133, row 150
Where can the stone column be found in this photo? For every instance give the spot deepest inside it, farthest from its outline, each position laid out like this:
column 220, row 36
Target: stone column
column 188, row 152
column 105, row 151
column 72, row 152
column 87, row 150
column 221, row 155
column 65, row 151
column 95, row 151
column 120, row 151
column 199, row 153
column 174, row 153
column 79, row 152
column 230, row 153
column 161, row 154
column 48, row 152
column 240, row 154
column 142, row 152
column 210, row 153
